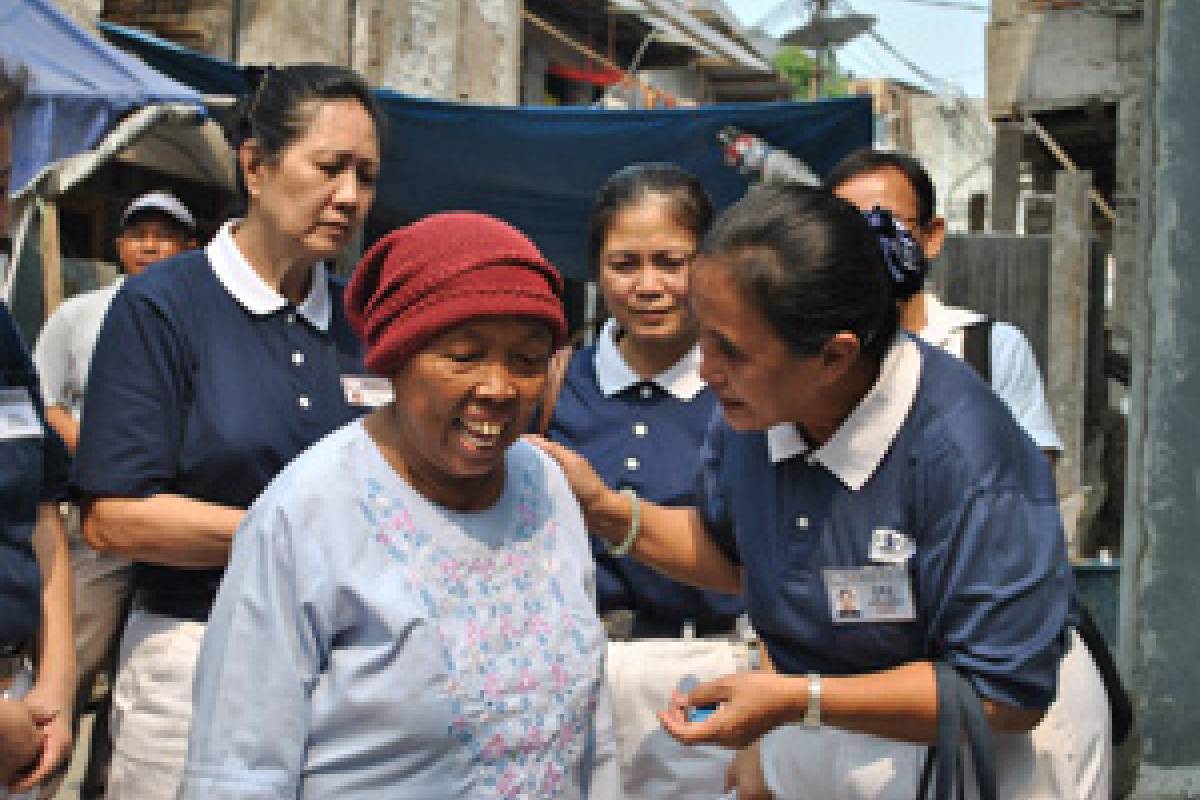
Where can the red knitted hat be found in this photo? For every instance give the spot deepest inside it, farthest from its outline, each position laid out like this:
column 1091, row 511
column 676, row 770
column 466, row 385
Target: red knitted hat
column 423, row 279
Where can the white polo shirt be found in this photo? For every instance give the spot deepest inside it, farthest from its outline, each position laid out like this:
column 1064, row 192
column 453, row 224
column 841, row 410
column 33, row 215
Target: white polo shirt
column 1015, row 374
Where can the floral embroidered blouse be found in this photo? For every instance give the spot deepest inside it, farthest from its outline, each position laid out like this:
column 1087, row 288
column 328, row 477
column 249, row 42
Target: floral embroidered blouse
column 368, row 643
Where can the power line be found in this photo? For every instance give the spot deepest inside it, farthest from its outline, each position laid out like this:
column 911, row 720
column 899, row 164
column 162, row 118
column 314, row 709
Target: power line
column 957, row 5
column 934, row 82
column 952, row 96
column 856, row 63
column 867, row 56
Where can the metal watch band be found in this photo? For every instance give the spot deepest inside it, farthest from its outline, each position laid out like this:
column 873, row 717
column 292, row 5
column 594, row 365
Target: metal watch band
column 812, row 714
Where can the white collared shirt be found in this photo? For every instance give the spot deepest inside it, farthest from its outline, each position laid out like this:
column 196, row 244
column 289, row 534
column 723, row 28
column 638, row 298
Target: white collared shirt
column 1016, row 378
column 613, row 374
column 246, row 286
column 862, row 440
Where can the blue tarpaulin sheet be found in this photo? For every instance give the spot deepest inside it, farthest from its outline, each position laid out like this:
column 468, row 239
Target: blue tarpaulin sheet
column 205, row 74
column 80, row 85
column 540, row 167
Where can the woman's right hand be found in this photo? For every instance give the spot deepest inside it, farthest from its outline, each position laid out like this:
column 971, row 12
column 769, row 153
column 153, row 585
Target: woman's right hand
column 20, row 741
column 590, row 490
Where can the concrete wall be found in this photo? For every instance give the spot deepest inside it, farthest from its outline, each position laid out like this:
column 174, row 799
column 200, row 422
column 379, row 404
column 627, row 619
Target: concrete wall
column 83, row 12
column 1159, row 591
column 452, row 49
column 448, row 49
column 293, row 31
column 955, row 145
column 1057, row 60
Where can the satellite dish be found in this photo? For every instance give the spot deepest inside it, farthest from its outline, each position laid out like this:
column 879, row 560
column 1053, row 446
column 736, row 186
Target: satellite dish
column 823, row 32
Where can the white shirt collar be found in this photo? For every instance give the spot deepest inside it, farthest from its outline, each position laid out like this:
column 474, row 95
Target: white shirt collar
column 860, row 443
column 942, row 321
column 252, row 292
column 682, row 380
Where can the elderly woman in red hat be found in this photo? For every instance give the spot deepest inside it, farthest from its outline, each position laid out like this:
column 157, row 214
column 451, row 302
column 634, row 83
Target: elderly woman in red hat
column 407, row 610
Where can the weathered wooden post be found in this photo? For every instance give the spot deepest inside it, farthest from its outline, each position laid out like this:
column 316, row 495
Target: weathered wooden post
column 1066, row 351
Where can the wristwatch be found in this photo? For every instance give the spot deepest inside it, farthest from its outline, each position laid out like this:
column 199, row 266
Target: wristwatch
column 812, row 714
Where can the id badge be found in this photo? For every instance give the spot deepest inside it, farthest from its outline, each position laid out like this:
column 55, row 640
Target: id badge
column 18, row 418
column 368, row 391
column 878, row 593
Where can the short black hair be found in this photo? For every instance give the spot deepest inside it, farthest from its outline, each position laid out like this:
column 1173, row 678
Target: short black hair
column 690, row 206
column 810, row 263
column 14, row 83
column 866, row 160
column 273, row 114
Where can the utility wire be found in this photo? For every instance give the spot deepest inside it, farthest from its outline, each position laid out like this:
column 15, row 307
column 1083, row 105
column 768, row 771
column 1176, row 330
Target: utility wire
column 952, row 95
column 868, row 56
column 934, row 82
column 957, row 5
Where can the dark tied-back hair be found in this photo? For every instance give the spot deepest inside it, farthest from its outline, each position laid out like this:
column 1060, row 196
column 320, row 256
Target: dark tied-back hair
column 811, row 265
column 689, row 205
column 866, row 160
column 278, row 110
column 14, row 82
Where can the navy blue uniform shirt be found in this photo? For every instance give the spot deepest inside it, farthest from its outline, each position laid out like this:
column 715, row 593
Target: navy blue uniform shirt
column 647, row 436
column 205, row 383
column 931, row 453
column 33, row 470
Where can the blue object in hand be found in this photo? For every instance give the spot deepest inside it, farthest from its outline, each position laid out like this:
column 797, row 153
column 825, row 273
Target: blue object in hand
column 696, row 713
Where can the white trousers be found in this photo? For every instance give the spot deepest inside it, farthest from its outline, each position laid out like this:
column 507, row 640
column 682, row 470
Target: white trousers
column 1068, row 756
column 641, row 676
column 152, row 706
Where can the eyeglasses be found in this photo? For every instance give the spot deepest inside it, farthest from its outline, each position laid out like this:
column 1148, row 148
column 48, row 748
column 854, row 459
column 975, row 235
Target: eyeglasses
column 666, row 260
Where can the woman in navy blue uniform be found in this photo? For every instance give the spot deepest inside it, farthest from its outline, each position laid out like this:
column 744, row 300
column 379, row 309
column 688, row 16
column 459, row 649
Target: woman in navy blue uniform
column 212, row 371
column 634, row 403
column 37, row 649
column 875, row 500
column 635, row 406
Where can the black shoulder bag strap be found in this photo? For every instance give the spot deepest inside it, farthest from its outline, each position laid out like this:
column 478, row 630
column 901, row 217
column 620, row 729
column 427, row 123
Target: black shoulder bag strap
column 959, row 711
column 977, row 347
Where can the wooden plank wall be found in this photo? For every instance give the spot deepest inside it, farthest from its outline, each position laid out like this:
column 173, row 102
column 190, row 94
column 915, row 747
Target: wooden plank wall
column 1002, row 275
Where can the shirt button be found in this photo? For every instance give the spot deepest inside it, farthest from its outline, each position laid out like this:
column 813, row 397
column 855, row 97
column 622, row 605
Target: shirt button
column 304, row 402
column 640, row 429
column 291, row 318
column 801, row 523
column 647, row 392
column 632, row 464
column 297, row 358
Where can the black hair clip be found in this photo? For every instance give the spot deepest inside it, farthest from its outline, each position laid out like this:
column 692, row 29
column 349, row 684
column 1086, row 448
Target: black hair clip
column 902, row 253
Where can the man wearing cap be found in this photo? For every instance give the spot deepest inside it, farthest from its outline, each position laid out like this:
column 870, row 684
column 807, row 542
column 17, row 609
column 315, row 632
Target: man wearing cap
column 155, row 226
